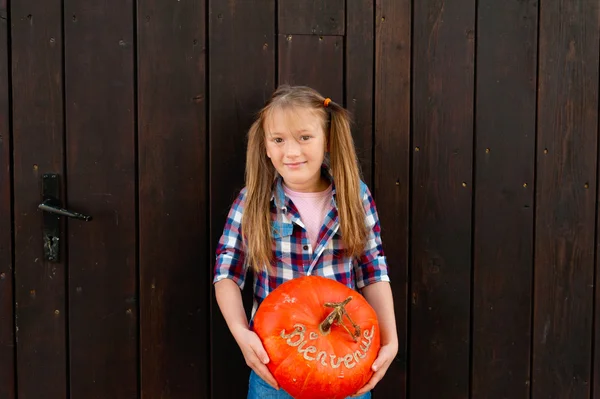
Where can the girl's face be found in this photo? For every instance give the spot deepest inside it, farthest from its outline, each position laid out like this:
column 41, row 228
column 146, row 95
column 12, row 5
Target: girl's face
column 296, row 144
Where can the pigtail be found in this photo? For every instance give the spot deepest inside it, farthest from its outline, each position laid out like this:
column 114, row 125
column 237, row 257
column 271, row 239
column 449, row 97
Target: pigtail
column 256, row 221
column 346, row 175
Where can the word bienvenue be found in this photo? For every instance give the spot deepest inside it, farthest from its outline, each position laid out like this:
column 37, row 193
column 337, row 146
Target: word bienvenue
column 297, row 339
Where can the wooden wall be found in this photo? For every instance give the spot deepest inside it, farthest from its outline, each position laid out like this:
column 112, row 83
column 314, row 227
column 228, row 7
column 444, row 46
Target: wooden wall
column 476, row 124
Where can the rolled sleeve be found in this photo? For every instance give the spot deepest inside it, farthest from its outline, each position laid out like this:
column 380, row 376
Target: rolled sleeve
column 371, row 266
column 230, row 260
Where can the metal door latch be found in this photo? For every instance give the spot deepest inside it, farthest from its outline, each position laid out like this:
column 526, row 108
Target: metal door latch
column 51, row 206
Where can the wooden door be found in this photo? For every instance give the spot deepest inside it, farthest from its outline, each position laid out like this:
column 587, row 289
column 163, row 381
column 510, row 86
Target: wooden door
column 73, row 115
column 96, row 98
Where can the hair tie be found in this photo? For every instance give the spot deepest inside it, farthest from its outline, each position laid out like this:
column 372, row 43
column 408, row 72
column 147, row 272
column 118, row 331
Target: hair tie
column 326, row 102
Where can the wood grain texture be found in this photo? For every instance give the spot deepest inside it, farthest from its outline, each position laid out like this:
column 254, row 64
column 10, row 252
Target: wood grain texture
column 392, row 167
column 242, row 79
column 596, row 337
column 101, row 182
column 360, row 52
column 565, row 199
column 7, row 339
column 38, row 133
column 322, row 70
column 316, row 17
column 173, row 200
column 484, row 172
column 504, row 198
column 443, row 83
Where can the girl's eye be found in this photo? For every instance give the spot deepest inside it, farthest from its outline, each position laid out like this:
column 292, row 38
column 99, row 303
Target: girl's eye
column 278, row 140
column 305, row 138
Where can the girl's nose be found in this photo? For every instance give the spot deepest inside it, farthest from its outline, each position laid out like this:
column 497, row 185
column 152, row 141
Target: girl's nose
column 292, row 148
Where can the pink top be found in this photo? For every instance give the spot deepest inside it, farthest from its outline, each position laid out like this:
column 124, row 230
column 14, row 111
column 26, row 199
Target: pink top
column 313, row 208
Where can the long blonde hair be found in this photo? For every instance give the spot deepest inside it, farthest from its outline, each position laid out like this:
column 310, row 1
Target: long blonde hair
column 260, row 176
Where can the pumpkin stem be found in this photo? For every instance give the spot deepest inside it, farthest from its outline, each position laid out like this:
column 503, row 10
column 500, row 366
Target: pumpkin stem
column 337, row 316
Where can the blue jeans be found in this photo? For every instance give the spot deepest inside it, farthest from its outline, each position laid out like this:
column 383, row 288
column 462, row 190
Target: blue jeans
column 259, row 389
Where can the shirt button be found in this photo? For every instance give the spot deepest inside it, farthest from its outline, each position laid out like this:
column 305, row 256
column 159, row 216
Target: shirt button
column 305, row 247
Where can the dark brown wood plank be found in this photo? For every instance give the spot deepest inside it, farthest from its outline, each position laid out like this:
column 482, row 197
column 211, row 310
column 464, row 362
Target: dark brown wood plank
column 392, row 167
column 241, row 33
column 7, row 339
column 315, row 61
column 360, row 49
column 317, row 17
column 38, row 132
column 504, row 196
column 101, row 181
column 443, row 81
column 596, row 338
column 173, row 200
column 565, row 199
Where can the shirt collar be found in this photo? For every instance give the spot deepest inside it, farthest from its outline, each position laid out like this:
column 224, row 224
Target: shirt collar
column 279, row 197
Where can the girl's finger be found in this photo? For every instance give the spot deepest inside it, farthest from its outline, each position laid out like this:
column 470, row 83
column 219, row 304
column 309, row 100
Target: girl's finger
column 380, row 363
column 363, row 390
column 371, row 384
column 264, row 373
column 260, row 352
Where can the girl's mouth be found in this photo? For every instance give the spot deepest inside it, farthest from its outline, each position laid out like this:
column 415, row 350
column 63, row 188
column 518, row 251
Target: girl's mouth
column 294, row 165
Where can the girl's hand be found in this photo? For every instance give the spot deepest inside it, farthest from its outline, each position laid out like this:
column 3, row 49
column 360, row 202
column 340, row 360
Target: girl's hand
column 255, row 355
column 387, row 353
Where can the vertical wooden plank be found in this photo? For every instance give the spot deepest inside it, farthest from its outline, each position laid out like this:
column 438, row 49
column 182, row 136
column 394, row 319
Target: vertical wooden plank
column 101, row 168
column 7, row 339
column 565, row 198
column 38, row 133
column 504, row 187
column 443, row 73
column 392, row 166
column 241, row 33
column 173, row 200
column 595, row 386
column 317, row 17
column 360, row 49
column 315, row 61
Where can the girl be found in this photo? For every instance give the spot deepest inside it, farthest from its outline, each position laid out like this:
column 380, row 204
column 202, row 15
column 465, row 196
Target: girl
column 304, row 211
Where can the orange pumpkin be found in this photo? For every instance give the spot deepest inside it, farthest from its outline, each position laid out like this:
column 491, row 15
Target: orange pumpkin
column 321, row 337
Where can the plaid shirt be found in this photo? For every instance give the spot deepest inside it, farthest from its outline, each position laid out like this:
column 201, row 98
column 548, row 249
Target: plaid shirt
column 292, row 252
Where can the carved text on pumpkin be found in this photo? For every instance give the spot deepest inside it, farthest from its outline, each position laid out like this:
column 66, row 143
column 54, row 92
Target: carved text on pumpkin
column 296, row 339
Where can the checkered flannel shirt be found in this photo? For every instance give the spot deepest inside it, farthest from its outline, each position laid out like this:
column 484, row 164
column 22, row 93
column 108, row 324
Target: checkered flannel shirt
column 292, row 252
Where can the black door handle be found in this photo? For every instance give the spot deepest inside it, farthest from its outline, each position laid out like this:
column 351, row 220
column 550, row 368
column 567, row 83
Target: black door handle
column 52, row 210
column 49, row 207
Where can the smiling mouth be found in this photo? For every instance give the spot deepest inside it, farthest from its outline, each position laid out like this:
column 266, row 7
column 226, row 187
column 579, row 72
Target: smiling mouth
column 294, row 164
